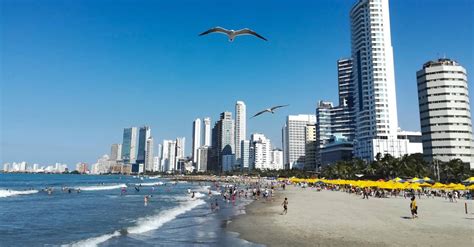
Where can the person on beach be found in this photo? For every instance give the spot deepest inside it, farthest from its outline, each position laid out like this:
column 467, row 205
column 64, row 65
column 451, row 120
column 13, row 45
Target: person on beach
column 414, row 208
column 192, row 195
column 285, row 206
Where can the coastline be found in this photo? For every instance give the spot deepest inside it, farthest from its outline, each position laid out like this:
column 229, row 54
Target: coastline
column 331, row 218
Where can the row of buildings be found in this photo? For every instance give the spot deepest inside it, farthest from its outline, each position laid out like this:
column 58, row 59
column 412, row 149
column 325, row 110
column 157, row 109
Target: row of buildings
column 226, row 146
column 364, row 123
column 24, row 167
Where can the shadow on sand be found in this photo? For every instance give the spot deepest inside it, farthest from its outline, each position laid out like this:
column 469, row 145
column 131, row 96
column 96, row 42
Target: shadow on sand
column 406, row 217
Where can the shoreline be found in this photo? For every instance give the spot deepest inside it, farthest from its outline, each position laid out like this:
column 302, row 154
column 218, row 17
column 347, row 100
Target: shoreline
column 332, row 218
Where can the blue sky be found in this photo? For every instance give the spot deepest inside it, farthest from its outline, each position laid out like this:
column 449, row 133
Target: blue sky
column 73, row 74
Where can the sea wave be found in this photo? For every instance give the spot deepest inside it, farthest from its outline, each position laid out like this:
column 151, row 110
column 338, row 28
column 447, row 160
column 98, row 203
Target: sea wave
column 150, row 184
column 154, row 222
column 102, row 187
column 7, row 193
column 143, row 225
column 93, row 241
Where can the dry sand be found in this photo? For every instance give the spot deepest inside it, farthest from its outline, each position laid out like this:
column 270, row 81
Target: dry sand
column 331, row 218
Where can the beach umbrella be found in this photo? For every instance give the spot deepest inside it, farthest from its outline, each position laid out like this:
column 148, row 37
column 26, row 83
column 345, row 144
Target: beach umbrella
column 425, row 184
column 414, row 186
column 469, row 180
column 416, row 180
column 438, row 185
column 427, row 179
column 397, row 179
column 470, row 187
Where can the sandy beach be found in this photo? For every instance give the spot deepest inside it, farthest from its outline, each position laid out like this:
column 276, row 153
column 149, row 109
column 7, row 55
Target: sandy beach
column 332, row 218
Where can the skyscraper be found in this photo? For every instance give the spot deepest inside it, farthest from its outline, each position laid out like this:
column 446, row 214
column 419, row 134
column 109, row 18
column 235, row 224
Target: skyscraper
column 116, row 152
column 245, row 155
column 345, row 85
column 310, row 147
column 207, row 131
column 224, row 131
column 240, row 126
column 168, row 156
column 294, row 139
column 261, row 151
column 149, row 163
column 203, row 158
column 196, row 138
column 143, row 135
column 129, row 145
column 445, row 115
column 373, row 75
column 180, row 147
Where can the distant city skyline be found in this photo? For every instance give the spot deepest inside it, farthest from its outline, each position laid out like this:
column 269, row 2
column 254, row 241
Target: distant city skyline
column 75, row 74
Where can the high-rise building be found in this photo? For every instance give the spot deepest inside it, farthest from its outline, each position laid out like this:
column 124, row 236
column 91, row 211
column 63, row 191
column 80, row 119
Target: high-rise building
column 207, row 131
column 445, row 115
column 129, row 145
column 261, row 151
column 203, row 158
column 144, row 134
column 294, row 140
column 180, row 147
column 149, row 162
column 373, row 75
column 168, row 156
column 240, row 126
column 196, row 138
column 277, row 159
column 245, row 163
column 334, row 124
column 225, row 139
column 157, row 161
column 116, row 152
column 345, row 85
column 310, row 147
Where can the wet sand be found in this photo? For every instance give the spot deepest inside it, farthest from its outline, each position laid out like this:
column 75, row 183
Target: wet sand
column 330, row 218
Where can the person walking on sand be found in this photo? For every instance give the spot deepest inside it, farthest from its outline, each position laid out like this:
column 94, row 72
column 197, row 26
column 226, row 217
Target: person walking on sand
column 285, row 206
column 413, row 208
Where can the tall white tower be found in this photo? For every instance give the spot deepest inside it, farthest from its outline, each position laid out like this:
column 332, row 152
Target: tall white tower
column 196, row 138
column 445, row 115
column 240, row 126
column 373, row 75
column 207, row 131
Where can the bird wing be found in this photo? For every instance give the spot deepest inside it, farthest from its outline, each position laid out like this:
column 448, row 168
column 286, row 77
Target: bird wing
column 259, row 113
column 216, row 30
column 247, row 31
column 278, row 106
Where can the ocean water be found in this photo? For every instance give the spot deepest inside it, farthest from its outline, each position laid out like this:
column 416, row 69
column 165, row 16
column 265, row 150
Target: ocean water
column 102, row 215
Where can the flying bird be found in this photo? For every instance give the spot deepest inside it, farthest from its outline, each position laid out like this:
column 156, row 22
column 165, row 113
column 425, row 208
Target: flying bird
column 270, row 110
column 232, row 33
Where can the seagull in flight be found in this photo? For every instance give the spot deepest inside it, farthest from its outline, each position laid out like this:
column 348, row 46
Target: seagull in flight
column 270, row 110
column 232, row 33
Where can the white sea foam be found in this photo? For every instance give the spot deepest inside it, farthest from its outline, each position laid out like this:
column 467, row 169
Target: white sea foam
column 150, row 184
column 143, row 225
column 7, row 193
column 93, row 241
column 102, row 187
column 155, row 177
column 199, row 195
column 156, row 221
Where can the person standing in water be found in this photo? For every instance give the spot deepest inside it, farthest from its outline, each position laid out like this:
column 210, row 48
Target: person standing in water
column 413, row 208
column 285, row 206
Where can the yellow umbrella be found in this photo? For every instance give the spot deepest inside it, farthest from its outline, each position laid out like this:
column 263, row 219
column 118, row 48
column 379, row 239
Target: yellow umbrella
column 427, row 179
column 469, row 180
column 438, row 186
column 416, row 180
column 470, row 187
column 425, row 184
column 414, row 186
